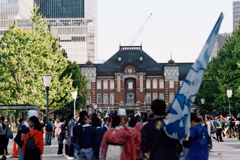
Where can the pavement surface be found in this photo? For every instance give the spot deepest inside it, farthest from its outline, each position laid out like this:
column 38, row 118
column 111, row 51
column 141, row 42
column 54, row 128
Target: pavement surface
column 227, row 150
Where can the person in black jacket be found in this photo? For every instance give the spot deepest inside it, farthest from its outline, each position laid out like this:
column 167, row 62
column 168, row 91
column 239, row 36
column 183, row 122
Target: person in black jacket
column 86, row 135
column 155, row 144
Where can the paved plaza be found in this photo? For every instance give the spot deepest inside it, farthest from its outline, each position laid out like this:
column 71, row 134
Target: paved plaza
column 230, row 150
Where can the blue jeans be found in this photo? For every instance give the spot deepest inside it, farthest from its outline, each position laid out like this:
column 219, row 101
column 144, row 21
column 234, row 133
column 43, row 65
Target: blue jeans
column 49, row 137
column 77, row 153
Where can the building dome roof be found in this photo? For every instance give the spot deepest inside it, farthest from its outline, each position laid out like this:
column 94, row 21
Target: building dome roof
column 89, row 63
column 171, row 61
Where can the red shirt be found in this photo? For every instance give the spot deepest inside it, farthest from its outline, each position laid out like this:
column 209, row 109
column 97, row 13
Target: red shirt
column 137, row 145
column 38, row 140
column 119, row 135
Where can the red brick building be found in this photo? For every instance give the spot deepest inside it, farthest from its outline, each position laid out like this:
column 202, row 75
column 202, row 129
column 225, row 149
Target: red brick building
column 131, row 79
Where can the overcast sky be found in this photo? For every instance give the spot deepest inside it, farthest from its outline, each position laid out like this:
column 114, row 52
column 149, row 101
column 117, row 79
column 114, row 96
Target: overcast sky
column 178, row 26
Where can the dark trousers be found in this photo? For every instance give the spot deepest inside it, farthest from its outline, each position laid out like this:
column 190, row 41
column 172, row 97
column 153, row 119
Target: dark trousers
column 66, row 149
column 7, row 140
column 219, row 136
column 60, row 148
column 70, row 151
column 49, row 138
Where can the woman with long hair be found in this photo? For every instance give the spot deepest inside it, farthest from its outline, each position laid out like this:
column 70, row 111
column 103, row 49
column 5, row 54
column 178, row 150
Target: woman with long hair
column 60, row 135
column 3, row 138
column 86, row 135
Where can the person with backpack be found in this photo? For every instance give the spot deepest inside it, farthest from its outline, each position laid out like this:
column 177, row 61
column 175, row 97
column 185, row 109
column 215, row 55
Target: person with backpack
column 33, row 143
column 60, row 132
column 49, row 130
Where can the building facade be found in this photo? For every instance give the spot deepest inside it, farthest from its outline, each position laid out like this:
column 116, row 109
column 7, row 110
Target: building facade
column 236, row 14
column 77, row 35
column 131, row 79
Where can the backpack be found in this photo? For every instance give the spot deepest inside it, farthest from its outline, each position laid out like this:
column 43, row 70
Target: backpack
column 30, row 143
column 62, row 131
column 48, row 127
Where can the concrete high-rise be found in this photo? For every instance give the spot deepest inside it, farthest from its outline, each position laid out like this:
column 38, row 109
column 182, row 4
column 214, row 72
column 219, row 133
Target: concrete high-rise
column 236, row 14
column 73, row 22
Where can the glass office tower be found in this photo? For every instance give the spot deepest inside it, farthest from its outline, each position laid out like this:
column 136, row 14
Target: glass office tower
column 61, row 8
column 73, row 22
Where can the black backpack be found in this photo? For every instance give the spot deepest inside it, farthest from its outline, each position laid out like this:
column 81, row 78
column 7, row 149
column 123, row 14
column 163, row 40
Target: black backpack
column 30, row 143
column 48, row 127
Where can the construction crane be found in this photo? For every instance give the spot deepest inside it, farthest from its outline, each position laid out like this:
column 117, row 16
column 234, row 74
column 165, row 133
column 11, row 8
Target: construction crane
column 140, row 31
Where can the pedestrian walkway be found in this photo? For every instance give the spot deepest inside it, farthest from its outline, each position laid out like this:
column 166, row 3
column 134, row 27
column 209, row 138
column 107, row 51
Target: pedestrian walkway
column 228, row 150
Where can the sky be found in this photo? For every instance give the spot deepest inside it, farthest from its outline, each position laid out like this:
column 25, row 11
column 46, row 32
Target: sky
column 178, row 26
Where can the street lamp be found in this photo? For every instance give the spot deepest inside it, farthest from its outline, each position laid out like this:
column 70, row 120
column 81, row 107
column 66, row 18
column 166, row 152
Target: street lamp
column 95, row 107
column 229, row 94
column 87, row 102
column 47, row 83
column 202, row 102
column 74, row 96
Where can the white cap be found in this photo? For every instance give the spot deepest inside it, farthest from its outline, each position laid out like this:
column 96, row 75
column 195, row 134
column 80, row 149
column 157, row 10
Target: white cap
column 122, row 112
column 32, row 113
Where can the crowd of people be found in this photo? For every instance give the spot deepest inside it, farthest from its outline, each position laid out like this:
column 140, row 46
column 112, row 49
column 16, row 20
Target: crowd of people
column 90, row 137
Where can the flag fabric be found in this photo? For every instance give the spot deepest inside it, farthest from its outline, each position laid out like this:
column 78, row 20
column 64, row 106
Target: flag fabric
column 177, row 123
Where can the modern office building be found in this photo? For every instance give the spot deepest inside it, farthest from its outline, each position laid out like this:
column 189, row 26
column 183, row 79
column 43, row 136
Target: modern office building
column 131, row 79
column 73, row 22
column 221, row 41
column 236, row 14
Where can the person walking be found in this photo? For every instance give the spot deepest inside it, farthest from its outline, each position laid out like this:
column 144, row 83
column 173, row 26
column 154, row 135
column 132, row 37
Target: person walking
column 86, row 135
column 34, row 151
column 3, row 138
column 20, row 123
column 60, row 136
column 54, row 129
column 69, row 138
column 19, row 139
column 219, row 129
column 155, row 144
column 199, row 139
column 49, row 132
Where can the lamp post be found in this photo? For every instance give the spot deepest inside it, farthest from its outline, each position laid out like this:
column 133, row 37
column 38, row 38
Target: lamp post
column 202, row 102
column 95, row 107
column 87, row 102
column 47, row 83
column 74, row 96
column 229, row 94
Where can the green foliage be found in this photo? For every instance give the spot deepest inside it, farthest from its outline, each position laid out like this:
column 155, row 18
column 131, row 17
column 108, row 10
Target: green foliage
column 80, row 82
column 222, row 74
column 26, row 56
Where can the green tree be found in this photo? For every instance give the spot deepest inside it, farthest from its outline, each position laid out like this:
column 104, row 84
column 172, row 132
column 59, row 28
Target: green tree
column 80, row 82
column 26, row 56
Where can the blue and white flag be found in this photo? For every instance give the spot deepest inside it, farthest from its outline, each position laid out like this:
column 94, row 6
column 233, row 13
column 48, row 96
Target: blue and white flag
column 177, row 124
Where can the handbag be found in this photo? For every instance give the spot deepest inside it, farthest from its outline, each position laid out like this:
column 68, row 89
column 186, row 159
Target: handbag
column 9, row 133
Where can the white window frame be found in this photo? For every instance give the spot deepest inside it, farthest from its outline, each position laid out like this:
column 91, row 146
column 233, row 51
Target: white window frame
column 105, row 84
column 105, row 98
column 112, row 84
column 148, row 97
column 112, row 98
column 171, row 97
column 171, row 84
column 148, row 84
column 99, row 84
column 130, row 85
column 161, row 84
column 155, row 96
column 99, row 101
column 154, row 84
column 161, row 95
